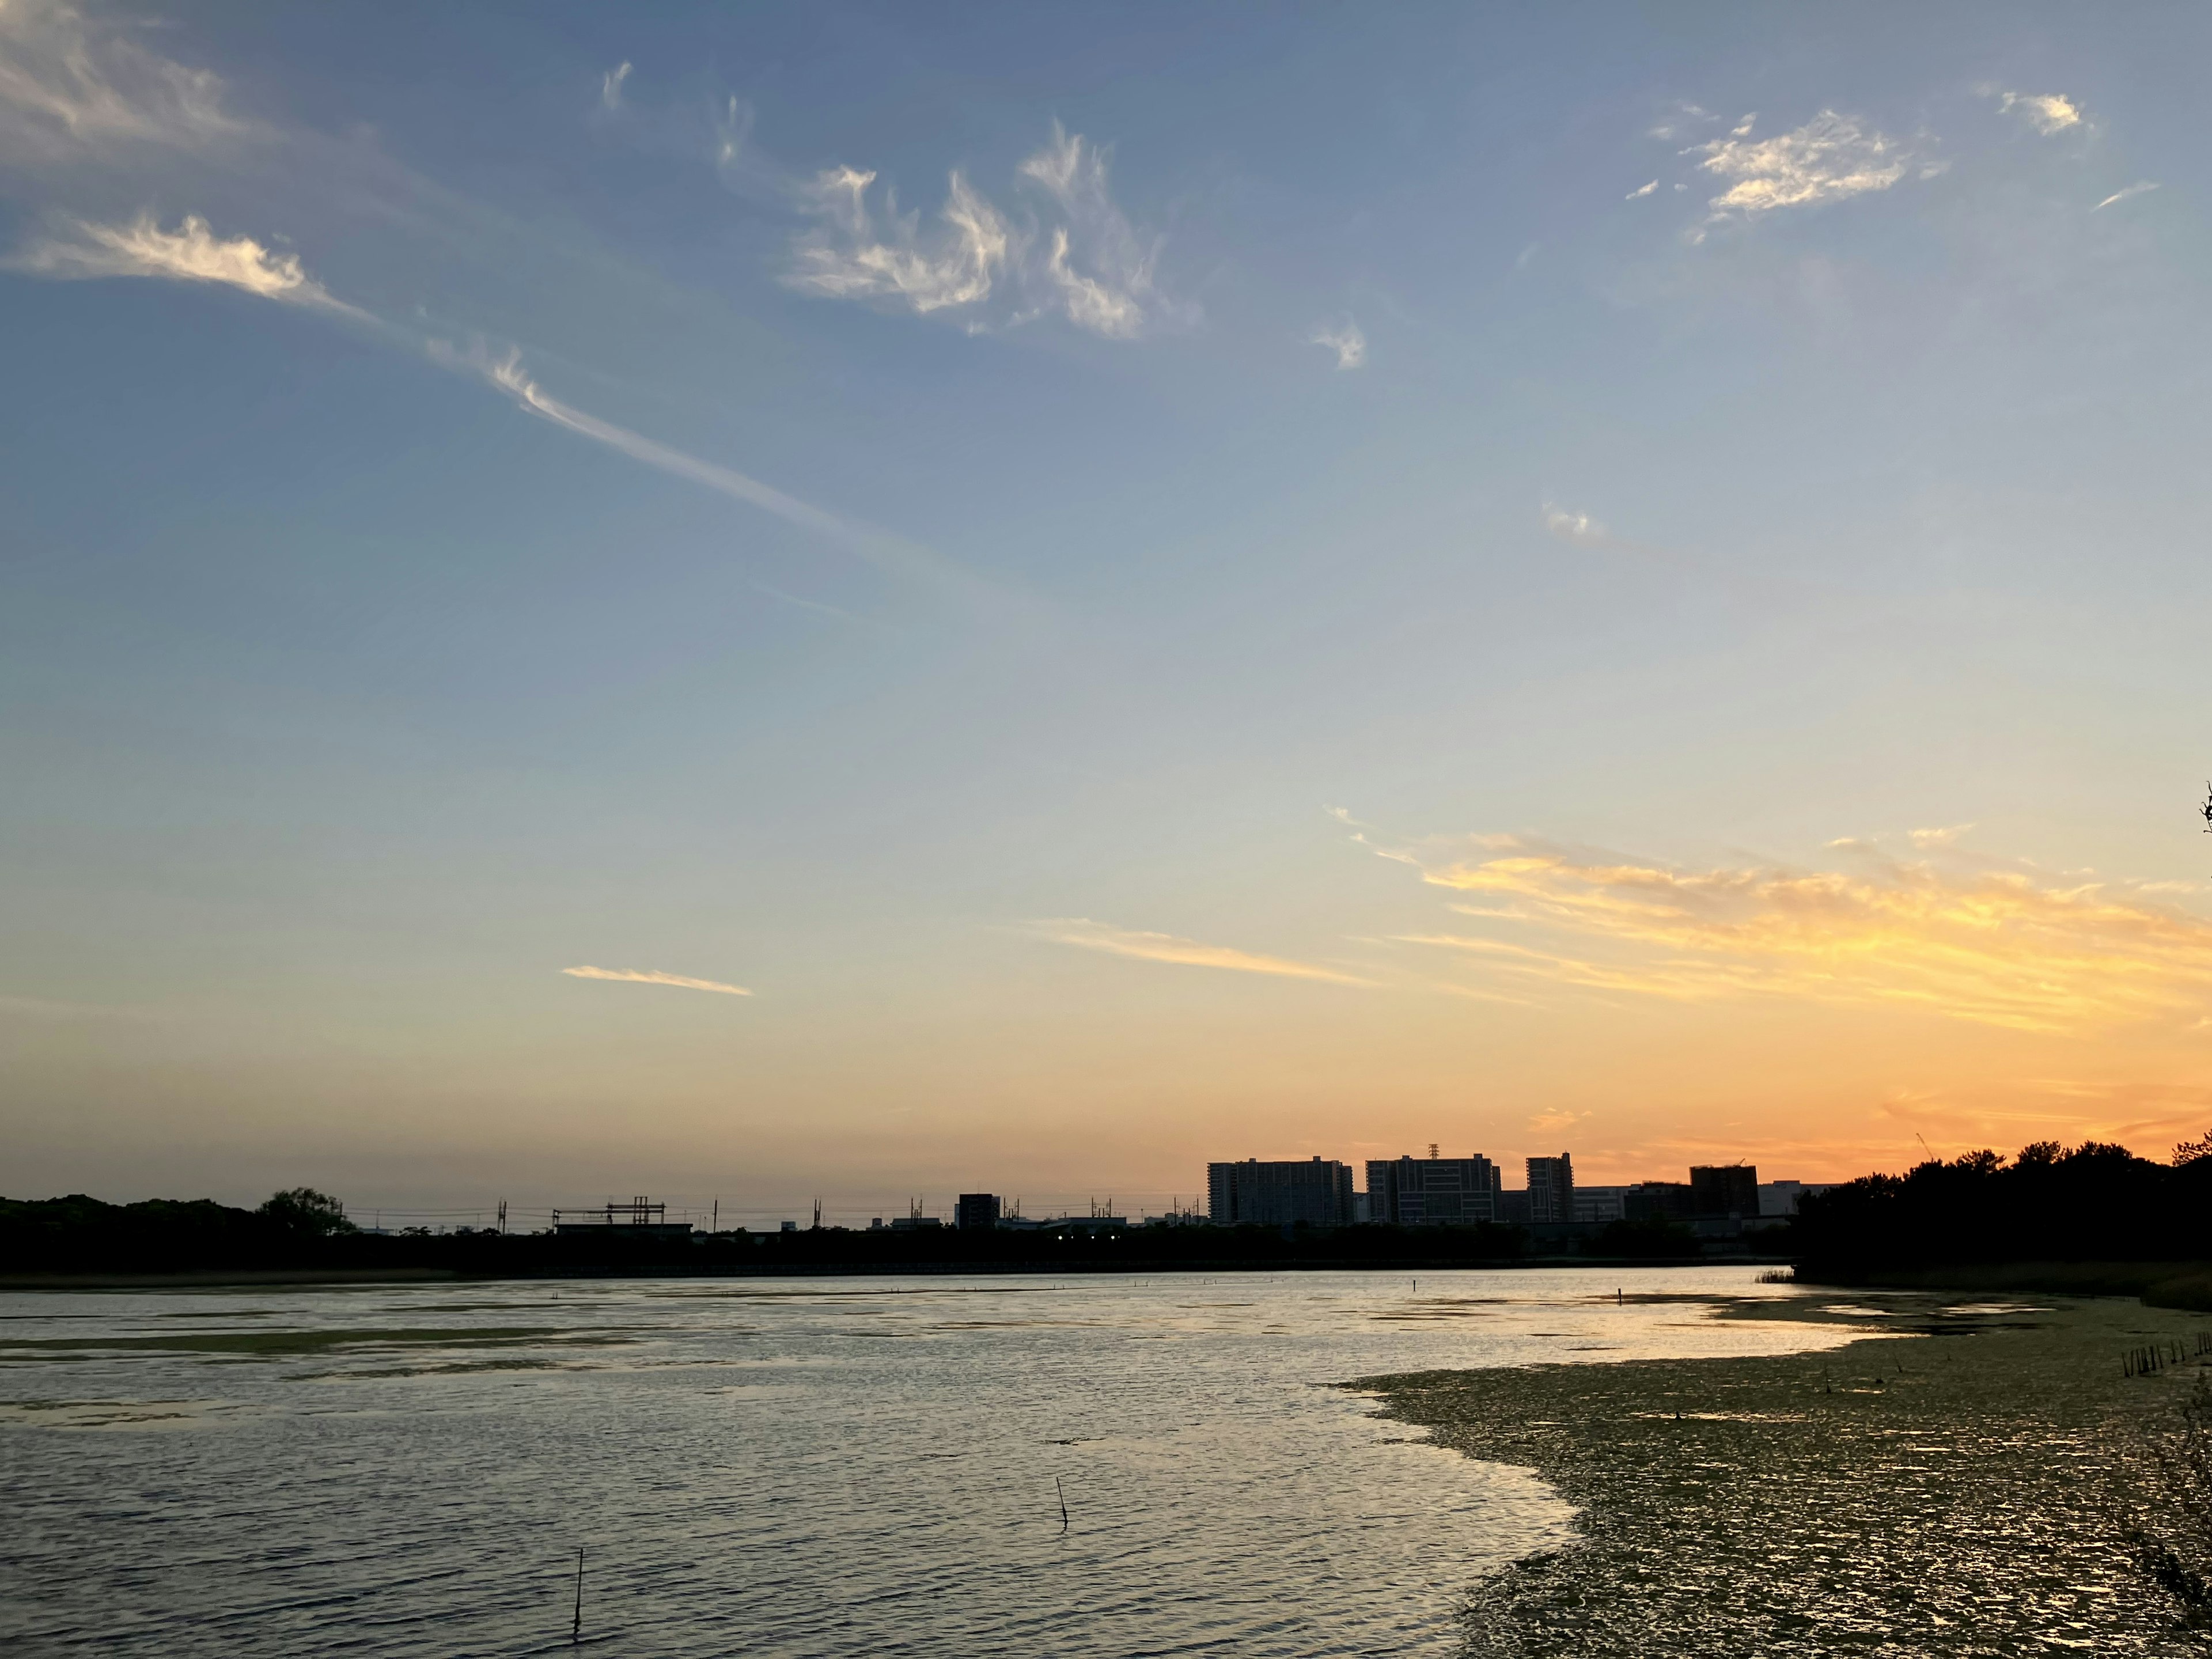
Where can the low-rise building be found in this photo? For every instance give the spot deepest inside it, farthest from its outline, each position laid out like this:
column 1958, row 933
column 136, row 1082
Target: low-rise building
column 1657, row 1200
column 1596, row 1206
column 1782, row 1197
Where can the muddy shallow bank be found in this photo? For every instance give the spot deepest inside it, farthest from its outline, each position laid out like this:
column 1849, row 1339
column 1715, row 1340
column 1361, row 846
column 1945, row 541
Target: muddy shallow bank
column 1960, row 1483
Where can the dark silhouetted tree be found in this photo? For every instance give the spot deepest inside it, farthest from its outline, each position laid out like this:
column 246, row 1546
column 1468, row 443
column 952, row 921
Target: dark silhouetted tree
column 304, row 1210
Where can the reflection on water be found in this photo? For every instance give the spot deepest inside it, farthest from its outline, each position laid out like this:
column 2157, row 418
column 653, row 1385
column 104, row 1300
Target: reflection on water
column 794, row 1468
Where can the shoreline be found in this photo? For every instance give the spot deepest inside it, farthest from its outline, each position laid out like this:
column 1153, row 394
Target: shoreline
column 199, row 1279
column 1956, row 1481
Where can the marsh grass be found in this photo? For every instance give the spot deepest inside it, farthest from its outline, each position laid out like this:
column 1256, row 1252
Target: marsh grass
column 2166, row 1515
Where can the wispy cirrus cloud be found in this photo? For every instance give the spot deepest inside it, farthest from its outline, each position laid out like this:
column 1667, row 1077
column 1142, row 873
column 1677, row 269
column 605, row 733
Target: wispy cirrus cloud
column 611, row 86
column 2142, row 186
column 191, row 253
column 77, row 86
column 854, row 254
column 1831, row 158
column 69, row 88
column 1347, row 341
column 639, row 976
column 1078, row 258
column 1089, row 935
column 2048, row 113
column 1998, row 944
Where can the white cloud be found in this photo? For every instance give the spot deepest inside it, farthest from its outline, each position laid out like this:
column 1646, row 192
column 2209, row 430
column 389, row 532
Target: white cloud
column 2047, row 111
column 1945, row 934
column 1946, row 836
column 1349, row 344
column 2142, row 186
column 1569, row 526
column 191, row 253
column 1829, row 158
column 1100, row 268
column 1167, row 947
column 1641, row 190
column 1083, row 260
column 611, row 86
column 67, row 89
column 634, row 976
column 851, row 254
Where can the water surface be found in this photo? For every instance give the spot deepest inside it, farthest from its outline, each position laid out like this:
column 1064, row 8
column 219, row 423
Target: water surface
column 824, row 1466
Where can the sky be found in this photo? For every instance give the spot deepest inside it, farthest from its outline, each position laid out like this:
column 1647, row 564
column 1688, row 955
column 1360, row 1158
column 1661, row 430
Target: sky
column 875, row 600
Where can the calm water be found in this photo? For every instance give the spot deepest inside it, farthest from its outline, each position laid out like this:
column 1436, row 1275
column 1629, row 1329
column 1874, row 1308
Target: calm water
column 824, row 1466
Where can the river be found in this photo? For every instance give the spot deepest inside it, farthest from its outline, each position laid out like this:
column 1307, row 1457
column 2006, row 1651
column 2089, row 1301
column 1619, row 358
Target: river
column 795, row 1467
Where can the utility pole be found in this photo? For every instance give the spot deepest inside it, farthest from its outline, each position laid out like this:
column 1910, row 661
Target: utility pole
column 502, row 1218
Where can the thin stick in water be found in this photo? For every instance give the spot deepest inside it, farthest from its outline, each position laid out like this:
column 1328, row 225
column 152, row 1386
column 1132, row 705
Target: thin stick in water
column 576, row 1625
column 1057, row 1487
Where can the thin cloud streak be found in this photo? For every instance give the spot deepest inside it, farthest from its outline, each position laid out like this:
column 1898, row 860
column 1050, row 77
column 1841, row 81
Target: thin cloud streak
column 638, row 976
column 1089, row 935
column 892, row 554
column 2141, row 187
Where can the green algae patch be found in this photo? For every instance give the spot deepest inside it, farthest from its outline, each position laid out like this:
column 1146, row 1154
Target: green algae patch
column 1980, row 1490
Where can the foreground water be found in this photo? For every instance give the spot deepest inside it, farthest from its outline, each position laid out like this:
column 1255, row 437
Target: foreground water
column 815, row 1467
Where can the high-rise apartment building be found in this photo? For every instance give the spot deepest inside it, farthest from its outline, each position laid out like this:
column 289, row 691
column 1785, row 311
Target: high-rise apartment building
column 1279, row 1193
column 1432, row 1191
column 1551, row 1189
column 976, row 1211
column 1725, row 1189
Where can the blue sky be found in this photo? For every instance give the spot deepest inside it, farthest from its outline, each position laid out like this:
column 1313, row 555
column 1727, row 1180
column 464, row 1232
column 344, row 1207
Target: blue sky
column 1054, row 549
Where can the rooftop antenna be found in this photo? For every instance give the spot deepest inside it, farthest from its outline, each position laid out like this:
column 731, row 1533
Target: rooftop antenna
column 817, row 1215
column 1433, row 1150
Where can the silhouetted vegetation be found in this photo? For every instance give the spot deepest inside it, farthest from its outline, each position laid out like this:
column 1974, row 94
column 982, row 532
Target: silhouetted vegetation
column 1651, row 1240
column 2170, row 1530
column 303, row 1231
column 2097, row 1202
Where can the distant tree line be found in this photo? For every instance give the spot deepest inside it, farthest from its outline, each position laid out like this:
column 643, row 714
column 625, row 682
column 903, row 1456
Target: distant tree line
column 2094, row 1202
column 79, row 1234
column 304, row 1230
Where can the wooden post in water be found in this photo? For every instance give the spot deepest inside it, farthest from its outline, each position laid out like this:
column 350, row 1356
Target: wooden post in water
column 576, row 1625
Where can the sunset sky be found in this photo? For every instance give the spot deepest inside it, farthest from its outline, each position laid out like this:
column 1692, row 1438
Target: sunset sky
column 877, row 600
